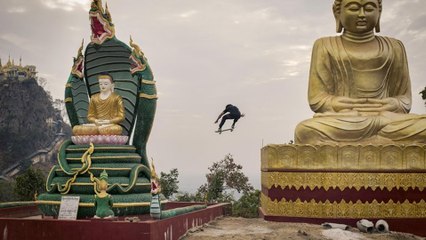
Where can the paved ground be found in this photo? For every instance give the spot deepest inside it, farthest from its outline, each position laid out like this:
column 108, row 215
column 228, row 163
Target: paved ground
column 258, row 229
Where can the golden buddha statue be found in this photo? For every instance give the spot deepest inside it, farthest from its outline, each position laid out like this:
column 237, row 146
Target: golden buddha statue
column 106, row 111
column 359, row 84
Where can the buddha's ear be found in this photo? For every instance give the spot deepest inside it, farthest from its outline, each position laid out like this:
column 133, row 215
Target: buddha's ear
column 339, row 26
column 377, row 28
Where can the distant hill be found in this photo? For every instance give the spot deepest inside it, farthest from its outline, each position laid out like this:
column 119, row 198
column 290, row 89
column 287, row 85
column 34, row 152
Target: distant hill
column 28, row 121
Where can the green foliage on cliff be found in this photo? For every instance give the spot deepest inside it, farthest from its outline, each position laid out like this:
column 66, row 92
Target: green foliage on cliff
column 29, row 183
column 6, row 191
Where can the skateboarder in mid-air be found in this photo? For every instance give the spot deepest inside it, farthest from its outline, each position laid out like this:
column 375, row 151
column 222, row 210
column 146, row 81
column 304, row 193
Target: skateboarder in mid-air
column 230, row 112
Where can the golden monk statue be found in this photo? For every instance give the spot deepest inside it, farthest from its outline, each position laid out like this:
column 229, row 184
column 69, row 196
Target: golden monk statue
column 106, row 111
column 359, row 85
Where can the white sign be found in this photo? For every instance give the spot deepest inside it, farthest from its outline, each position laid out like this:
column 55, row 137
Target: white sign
column 69, row 207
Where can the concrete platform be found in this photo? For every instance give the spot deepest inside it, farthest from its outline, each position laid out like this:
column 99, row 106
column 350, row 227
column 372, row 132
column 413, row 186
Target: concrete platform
column 21, row 223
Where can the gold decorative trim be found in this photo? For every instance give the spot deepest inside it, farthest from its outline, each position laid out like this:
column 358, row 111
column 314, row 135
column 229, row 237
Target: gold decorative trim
column 115, row 205
column 19, row 202
column 150, row 82
column 343, row 209
column 344, row 157
column 68, row 100
column 91, row 184
column 100, row 168
column 138, row 204
column 86, row 163
column 59, row 203
column 148, row 96
column 100, row 148
column 75, row 184
column 344, row 180
column 105, row 157
column 68, row 85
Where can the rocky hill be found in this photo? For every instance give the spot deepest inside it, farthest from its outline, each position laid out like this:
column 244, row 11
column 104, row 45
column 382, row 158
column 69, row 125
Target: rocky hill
column 28, row 121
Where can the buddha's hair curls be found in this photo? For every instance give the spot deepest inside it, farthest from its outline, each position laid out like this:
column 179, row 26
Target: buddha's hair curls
column 337, row 5
column 106, row 74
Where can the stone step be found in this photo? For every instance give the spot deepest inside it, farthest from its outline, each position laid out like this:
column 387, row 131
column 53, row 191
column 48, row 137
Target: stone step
column 102, row 148
column 83, row 185
column 105, row 158
column 113, row 169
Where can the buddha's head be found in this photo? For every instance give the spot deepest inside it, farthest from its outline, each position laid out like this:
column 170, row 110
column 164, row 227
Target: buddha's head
column 357, row 16
column 106, row 83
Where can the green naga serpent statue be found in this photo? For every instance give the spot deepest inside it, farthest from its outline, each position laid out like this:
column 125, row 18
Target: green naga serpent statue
column 126, row 164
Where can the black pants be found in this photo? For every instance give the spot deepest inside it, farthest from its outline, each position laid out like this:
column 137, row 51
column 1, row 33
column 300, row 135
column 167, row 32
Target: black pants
column 229, row 116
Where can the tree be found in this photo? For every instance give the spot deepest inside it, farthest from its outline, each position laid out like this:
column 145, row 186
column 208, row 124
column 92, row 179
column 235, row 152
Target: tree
column 247, row 206
column 189, row 197
column 423, row 93
column 41, row 81
column 29, row 183
column 223, row 177
column 169, row 182
column 6, row 192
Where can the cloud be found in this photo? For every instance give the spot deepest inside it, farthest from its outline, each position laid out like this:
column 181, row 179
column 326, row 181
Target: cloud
column 293, row 74
column 290, row 63
column 301, row 47
column 264, row 81
column 74, row 29
column 67, row 5
column 188, row 14
column 47, row 75
column 197, row 116
column 16, row 10
column 14, row 39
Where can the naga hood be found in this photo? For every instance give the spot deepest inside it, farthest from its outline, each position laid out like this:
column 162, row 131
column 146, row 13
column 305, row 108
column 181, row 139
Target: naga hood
column 100, row 22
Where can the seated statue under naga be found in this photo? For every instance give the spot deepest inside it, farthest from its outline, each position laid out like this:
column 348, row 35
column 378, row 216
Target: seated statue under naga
column 110, row 97
column 359, row 85
column 106, row 111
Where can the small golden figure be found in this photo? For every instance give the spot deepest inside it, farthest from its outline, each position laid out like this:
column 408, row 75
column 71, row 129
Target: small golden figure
column 103, row 200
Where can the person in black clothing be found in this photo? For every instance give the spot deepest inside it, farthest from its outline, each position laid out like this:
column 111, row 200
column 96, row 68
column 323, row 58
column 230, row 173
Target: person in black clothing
column 233, row 113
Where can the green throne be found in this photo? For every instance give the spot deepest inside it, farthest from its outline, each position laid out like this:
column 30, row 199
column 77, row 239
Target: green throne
column 127, row 165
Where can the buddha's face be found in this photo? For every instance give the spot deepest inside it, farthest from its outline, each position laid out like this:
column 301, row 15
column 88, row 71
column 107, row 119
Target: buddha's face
column 359, row 16
column 105, row 84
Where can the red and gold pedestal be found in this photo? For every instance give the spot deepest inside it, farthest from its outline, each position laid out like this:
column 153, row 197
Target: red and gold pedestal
column 342, row 184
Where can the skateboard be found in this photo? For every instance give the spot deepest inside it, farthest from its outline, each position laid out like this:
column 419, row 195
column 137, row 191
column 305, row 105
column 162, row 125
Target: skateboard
column 224, row 130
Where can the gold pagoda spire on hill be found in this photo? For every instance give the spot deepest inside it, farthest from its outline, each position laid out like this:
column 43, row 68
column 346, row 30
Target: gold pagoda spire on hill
column 19, row 72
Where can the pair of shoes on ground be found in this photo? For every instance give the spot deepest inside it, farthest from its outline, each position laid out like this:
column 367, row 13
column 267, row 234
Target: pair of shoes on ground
column 367, row 226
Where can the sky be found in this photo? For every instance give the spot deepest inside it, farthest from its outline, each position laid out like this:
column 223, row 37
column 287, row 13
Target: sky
column 254, row 54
